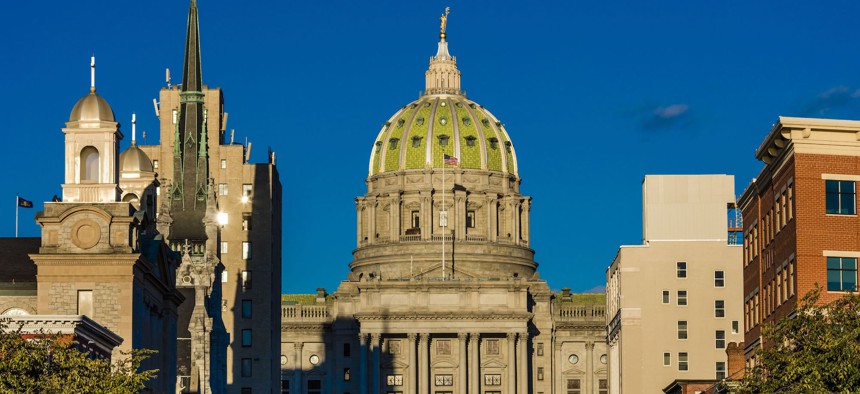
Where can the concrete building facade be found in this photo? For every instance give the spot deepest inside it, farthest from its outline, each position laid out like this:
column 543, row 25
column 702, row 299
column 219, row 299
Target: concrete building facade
column 674, row 302
column 442, row 295
column 800, row 215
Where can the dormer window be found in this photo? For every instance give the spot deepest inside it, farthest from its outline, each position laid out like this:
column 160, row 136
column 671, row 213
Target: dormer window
column 508, row 146
column 419, row 121
column 427, row 104
column 470, row 140
column 416, row 141
column 494, row 142
column 459, row 105
column 485, row 122
column 392, row 143
column 443, row 140
column 378, row 146
column 400, row 122
column 467, row 121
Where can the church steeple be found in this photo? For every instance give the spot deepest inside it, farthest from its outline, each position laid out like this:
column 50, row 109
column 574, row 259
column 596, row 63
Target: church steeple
column 443, row 77
column 192, row 75
column 190, row 162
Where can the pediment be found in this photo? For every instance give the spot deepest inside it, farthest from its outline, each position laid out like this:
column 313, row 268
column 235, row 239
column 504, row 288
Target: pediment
column 443, row 363
column 394, row 364
column 437, row 268
column 573, row 371
column 493, row 363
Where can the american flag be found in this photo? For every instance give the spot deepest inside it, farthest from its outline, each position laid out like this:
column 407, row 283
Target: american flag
column 451, row 160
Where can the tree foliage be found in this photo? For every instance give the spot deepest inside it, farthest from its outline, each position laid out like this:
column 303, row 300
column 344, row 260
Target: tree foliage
column 815, row 351
column 50, row 363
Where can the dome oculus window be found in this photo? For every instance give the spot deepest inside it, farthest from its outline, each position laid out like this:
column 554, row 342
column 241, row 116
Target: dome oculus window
column 392, row 143
column 470, row 140
column 443, row 120
column 459, row 105
column 443, row 140
column 443, row 104
column 426, row 104
column 416, row 141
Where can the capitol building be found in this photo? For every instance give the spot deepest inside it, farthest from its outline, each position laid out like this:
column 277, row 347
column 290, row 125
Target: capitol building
column 443, row 293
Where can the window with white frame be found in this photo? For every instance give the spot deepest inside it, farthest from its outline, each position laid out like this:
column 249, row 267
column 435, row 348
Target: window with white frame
column 682, row 329
column 683, row 362
column 719, row 278
column 720, row 336
column 681, row 269
column 682, row 297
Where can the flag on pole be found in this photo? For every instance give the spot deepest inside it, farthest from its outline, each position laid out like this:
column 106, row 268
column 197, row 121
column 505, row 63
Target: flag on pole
column 24, row 203
column 451, row 160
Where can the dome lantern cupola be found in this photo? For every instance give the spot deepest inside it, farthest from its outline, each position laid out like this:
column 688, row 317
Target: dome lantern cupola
column 443, row 77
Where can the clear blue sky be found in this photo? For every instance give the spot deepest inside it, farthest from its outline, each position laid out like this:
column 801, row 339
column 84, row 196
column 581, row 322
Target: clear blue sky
column 594, row 95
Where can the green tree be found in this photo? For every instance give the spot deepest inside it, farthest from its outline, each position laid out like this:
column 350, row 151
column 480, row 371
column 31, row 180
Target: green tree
column 817, row 350
column 51, row 363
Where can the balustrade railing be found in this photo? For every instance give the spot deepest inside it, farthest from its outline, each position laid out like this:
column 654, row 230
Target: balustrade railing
column 305, row 313
column 581, row 312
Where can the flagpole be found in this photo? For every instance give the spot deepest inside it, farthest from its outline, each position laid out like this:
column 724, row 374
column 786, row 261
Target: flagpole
column 16, row 215
column 445, row 215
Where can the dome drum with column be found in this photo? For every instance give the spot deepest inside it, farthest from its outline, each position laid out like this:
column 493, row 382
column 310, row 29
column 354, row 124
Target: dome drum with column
column 412, row 189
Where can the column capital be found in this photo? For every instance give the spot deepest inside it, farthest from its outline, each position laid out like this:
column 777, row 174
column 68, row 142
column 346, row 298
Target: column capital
column 412, row 336
column 474, row 335
column 462, row 336
column 423, row 337
column 589, row 345
column 375, row 338
column 362, row 338
column 299, row 346
column 511, row 336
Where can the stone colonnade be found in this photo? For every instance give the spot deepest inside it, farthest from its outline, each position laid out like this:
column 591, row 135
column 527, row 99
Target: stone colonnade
column 418, row 379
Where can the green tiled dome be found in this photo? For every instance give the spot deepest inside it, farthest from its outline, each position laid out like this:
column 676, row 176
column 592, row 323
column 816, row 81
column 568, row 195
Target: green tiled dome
column 421, row 133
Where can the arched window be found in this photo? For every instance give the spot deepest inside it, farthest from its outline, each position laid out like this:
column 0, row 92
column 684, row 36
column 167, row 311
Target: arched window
column 89, row 164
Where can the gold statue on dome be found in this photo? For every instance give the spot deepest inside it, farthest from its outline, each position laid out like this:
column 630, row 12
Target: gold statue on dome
column 444, row 19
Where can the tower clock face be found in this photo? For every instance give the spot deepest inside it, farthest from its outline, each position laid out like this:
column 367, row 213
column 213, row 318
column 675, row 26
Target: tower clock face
column 314, row 359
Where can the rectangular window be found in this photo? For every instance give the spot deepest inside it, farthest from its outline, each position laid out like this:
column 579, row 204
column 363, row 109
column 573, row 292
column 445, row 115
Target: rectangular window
column 840, row 197
column 155, row 164
column 791, row 277
column 665, row 296
column 540, row 348
column 285, row 387
column 222, row 189
column 224, row 247
column 602, row 386
column 682, row 329
column 841, row 274
column 683, row 362
column 682, row 297
column 493, row 347
column 247, row 309
column 394, row 380
column 721, row 370
column 539, row 373
column 246, row 337
column 443, row 347
column 492, row 380
column 246, row 367
column 393, row 346
column 346, row 372
column 246, row 222
column 225, row 276
column 789, row 210
column 246, row 280
column 720, row 336
column 246, row 250
column 470, row 219
column 416, row 219
column 719, row 278
column 315, row 386
column 682, row 269
column 85, row 303
column 574, row 386
column 246, row 390
column 719, row 308
column 667, row 359
column 223, row 163
column 735, row 326
column 346, row 350
column 246, row 190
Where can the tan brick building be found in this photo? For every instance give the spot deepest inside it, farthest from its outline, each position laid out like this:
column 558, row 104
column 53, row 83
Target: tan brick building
column 801, row 224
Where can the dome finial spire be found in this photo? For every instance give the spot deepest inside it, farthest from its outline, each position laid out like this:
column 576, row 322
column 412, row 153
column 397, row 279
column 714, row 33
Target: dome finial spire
column 93, row 73
column 133, row 128
column 444, row 24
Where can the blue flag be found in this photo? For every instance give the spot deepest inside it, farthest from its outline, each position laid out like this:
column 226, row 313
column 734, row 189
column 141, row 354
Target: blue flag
column 24, row 203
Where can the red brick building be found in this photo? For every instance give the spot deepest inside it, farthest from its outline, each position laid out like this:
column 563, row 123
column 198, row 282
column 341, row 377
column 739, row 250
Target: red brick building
column 800, row 220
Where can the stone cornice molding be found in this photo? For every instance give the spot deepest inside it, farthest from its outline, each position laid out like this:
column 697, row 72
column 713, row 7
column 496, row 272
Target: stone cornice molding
column 513, row 316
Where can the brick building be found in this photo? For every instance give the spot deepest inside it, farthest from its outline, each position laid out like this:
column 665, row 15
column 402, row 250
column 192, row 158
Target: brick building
column 800, row 220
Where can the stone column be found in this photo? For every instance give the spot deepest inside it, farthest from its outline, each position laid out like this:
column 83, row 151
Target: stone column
column 374, row 368
column 396, row 218
column 515, row 234
column 359, row 210
column 474, row 372
column 297, row 364
column 512, row 364
column 426, row 215
column 371, row 222
column 589, row 366
column 423, row 364
column 526, row 222
column 492, row 219
column 559, row 366
column 460, row 198
column 412, row 378
column 461, row 369
column 522, row 363
column 362, row 364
